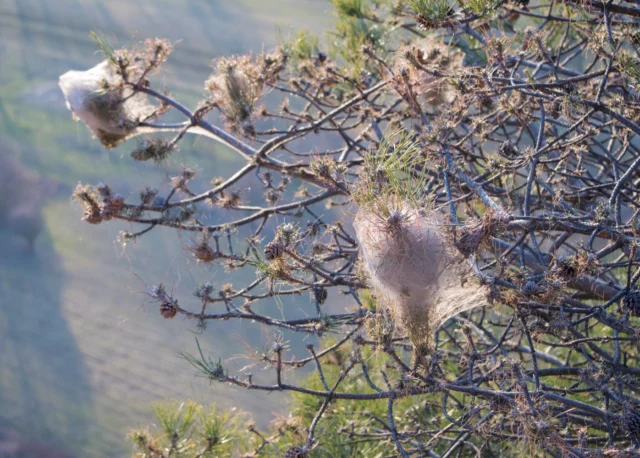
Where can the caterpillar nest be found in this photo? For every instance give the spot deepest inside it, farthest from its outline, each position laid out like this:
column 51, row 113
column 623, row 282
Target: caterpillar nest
column 415, row 270
column 111, row 110
column 429, row 66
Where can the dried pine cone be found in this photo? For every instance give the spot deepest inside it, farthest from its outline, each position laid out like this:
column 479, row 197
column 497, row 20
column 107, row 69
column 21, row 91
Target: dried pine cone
column 470, row 240
column 507, row 149
column 296, row 452
column 168, row 310
column 567, row 267
column 631, row 422
column 529, row 287
column 632, row 302
column 423, row 23
column 204, row 253
column 320, row 294
column 272, row 196
column 273, row 250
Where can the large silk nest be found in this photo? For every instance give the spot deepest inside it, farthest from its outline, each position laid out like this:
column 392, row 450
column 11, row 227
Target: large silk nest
column 111, row 110
column 416, row 271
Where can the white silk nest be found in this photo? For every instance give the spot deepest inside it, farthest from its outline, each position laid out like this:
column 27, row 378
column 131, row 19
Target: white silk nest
column 110, row 110
column 416, row 271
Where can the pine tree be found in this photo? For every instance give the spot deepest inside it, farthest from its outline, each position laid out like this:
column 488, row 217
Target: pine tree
column 489, row 150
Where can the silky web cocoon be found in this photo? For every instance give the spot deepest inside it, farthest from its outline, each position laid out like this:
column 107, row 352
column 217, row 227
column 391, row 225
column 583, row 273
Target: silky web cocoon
column 109, row 109
column 415, row 270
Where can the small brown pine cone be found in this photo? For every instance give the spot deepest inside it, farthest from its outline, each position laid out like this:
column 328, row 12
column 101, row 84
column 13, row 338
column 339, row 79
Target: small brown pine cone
column 320, row 294
column 507, row 149
column 296, row 452
column 423, row 23
column 272, row 196
column 204, row 253
column 631, row 421
column 470, row 240
column 92, row 216
column 632, row 302
column 168, row 310
column 529, row 287
column 567, row 268
column 273, row 250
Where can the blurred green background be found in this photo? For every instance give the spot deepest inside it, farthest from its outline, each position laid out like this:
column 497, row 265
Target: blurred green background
column 81, row 355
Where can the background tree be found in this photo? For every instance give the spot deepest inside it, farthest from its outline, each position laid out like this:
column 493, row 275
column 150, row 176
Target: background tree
column 489, row 151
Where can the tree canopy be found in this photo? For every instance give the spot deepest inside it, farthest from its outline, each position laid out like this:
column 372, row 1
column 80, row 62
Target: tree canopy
column 464, row 174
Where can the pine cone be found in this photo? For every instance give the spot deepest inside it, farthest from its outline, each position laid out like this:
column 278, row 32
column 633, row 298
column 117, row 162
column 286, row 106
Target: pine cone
column 168, row 310
column 320, row 294
column 273, row 250
column 423, row 23
column 529, row 287
column 507, row 149
column 632, row 302
column 631, row 422
column 470, row 240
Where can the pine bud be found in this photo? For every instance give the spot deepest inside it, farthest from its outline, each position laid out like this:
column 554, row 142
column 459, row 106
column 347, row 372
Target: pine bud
column 529, row 287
